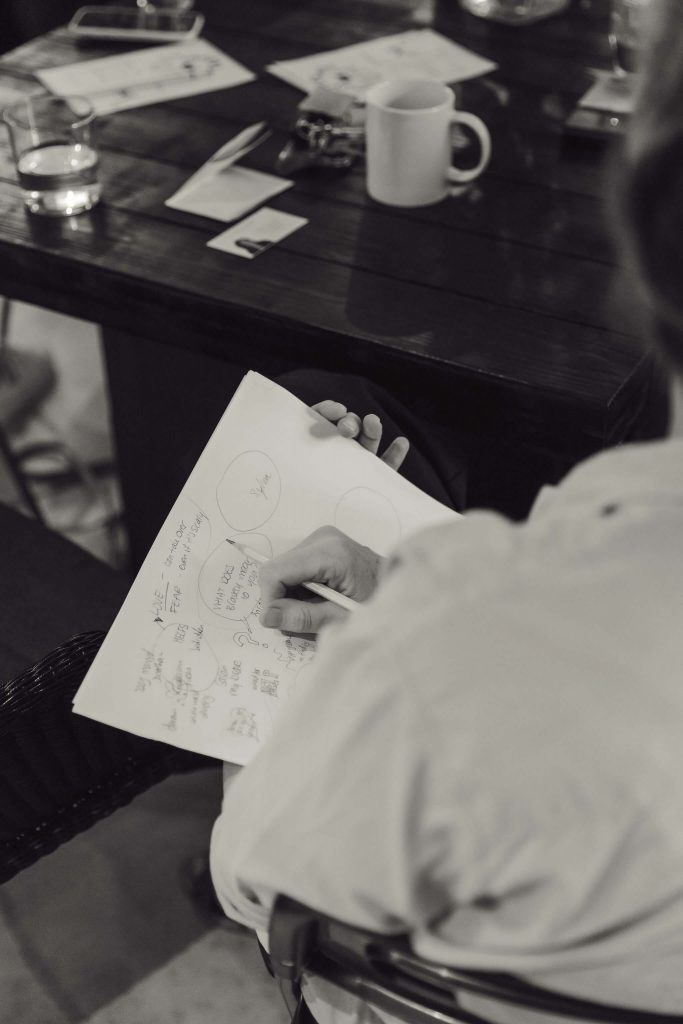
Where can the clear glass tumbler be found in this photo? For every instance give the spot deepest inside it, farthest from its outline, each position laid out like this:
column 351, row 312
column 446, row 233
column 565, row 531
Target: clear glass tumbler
column 626, row 32
column 56, row 162
column 514, row 12
column 164, row 5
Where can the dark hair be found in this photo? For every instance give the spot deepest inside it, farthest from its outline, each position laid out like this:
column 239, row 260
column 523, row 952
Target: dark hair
column 650, row 184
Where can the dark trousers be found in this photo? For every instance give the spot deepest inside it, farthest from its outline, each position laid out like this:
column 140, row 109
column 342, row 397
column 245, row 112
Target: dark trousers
column 434, row 463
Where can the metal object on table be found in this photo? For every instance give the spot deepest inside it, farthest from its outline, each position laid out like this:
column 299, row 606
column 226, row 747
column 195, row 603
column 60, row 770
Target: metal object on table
column 329, row 132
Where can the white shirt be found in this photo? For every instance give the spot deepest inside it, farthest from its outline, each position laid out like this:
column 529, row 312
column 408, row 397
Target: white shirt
column 489, row 753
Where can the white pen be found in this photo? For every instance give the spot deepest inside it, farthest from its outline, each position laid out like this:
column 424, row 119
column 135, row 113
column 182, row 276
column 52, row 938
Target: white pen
column 316, row 588
column 242, row 144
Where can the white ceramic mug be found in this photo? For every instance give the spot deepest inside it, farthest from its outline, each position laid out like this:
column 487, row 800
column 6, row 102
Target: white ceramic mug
column 408, row 142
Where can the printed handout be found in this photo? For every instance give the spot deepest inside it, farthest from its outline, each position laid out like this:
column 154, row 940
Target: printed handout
column 418, row 53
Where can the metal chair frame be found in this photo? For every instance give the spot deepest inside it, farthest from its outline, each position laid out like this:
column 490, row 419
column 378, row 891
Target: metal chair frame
column 383, row 971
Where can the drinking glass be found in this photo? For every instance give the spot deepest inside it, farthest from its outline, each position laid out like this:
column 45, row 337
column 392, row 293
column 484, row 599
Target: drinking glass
column 514, row 12
column 165, row 5
column 56, row 162
column 627, row 26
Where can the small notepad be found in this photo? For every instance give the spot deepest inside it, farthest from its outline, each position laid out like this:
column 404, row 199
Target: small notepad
column 255, row 234
column 610, row 93
column 227, row 194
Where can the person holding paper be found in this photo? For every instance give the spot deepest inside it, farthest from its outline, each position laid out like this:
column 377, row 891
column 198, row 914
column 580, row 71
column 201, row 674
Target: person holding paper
column 488, row 754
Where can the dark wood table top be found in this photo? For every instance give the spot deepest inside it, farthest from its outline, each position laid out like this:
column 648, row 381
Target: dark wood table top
column 502, row 306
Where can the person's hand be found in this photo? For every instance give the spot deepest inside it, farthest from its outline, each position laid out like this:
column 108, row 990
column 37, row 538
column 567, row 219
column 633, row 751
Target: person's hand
column 327, row 556
column 367, row 431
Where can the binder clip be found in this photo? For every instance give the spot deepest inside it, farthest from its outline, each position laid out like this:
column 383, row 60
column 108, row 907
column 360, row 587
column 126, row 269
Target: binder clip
column 329, row 131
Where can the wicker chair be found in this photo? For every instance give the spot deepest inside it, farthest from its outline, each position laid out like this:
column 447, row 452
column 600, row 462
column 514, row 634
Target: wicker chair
column 60, row 772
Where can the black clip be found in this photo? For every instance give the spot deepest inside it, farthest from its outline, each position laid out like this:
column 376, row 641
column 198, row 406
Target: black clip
column 329, row 132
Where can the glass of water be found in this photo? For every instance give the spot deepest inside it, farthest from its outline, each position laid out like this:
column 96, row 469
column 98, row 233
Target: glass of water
column 626, row 33
column 514, row 12
column 56, row 161
column 164, row 5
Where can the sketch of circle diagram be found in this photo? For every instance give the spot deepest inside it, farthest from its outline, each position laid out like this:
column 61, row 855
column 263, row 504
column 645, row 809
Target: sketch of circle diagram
column 228, row 583
column 187, row 661
column 249, row 491
column 368, row 517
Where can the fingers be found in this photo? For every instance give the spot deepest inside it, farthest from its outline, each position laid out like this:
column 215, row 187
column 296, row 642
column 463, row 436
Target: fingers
column 332, row 411
column 326, row 556
column 368, row 431
column 371, row 432
column 348, row 423
column 292, row 616
column 396, row 452
column 301, row 563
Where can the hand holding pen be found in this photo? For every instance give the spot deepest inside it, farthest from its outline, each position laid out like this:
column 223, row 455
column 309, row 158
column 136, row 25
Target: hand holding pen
column 329, row 564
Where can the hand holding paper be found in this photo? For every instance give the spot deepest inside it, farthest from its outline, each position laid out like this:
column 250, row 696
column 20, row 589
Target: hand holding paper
column 187, row 660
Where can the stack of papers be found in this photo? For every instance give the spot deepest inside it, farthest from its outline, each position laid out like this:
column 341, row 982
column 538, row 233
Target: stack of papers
column 419, row 53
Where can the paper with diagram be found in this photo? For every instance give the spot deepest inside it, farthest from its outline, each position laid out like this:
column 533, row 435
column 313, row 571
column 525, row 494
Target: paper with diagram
column 186, row 660
column 417, row 53
column 153, row 75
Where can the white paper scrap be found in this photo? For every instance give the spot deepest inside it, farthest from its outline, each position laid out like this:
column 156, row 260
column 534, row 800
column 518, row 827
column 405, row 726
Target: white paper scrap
column 257, row 233
column 615, row 94
column 152, row 75
column 418, row 53
column 228, row 193
column 186, row 661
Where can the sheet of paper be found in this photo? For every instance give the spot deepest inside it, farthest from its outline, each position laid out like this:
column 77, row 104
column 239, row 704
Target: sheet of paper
column 257, row 233
column 186, row 660
column 152, row 75
column 418, row 53
column 615, row 95
column 227, row 193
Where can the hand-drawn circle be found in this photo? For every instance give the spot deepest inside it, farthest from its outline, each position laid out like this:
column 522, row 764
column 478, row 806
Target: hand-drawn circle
column 256, row 541
column 368, row 517
column 249, row 491
column 228, row 583
column 188, row 662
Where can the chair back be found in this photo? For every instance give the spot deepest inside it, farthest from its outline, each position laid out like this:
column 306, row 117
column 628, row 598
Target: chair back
column 59, row 772
column 383, row 971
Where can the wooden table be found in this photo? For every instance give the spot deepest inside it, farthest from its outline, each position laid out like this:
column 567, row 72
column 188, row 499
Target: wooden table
column 499, row 313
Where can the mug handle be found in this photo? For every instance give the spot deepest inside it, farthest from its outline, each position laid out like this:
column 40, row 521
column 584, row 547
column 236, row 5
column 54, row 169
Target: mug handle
column 455, row 174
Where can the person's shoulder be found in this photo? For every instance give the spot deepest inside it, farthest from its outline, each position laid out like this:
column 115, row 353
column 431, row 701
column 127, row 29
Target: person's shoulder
column 474, row 548
column 483, row 527
column 647, row 468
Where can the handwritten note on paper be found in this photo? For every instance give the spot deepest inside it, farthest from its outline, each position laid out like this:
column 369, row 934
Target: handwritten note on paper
column 418, row 53
column 186, row 660
column 152, row 75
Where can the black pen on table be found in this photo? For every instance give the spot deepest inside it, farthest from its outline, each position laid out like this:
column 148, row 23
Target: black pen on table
column 316, row 588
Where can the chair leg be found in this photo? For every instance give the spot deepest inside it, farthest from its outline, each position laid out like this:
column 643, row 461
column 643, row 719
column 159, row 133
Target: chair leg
column 19, row 478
